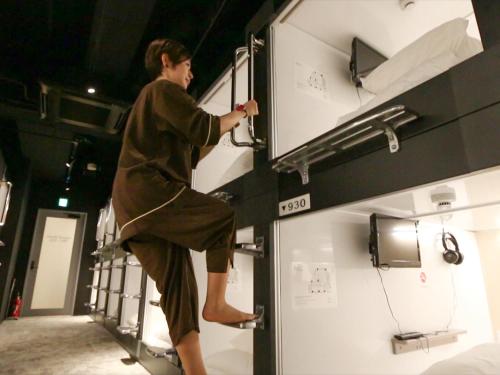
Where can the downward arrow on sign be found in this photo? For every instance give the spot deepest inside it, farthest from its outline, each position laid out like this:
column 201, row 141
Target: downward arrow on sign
column 283, row 207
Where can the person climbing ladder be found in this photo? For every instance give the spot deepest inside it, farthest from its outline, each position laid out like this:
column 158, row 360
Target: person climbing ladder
column 159, row 215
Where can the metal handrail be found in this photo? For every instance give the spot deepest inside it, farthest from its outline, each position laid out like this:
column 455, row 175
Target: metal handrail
column 169, row 354
column 126, row 330
column 236, row 55
column 132, row 264
column 253, row 45
column 223, row 196
column 257, row 323
column 134, row 296
column 254, row 249
column 347, row 135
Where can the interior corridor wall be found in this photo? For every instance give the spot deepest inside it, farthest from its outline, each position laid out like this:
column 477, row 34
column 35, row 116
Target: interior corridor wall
column 489, row 247
column 351, row 332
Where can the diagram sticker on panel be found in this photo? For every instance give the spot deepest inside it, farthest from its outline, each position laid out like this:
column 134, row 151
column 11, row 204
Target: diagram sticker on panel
column 313, row 285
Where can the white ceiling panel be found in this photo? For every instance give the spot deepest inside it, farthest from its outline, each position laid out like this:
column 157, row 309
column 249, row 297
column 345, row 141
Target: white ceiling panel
column 380, row 23
column 476, row 207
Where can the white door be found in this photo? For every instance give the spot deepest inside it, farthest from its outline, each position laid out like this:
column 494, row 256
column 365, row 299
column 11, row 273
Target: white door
column 52, row 273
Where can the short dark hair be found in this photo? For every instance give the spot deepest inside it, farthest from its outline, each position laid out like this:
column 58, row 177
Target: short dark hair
column 176, row 51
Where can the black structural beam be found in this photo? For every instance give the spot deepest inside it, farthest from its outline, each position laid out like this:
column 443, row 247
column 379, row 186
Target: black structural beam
column 487, row 14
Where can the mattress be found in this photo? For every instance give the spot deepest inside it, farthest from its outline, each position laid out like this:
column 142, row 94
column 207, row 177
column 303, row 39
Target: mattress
column 481, row 359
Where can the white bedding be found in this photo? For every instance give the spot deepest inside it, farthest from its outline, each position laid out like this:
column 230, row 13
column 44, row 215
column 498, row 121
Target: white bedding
column 419, row 75
column 481, row 359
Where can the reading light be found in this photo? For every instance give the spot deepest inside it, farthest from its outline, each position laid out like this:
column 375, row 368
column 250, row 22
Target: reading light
column 91, row 90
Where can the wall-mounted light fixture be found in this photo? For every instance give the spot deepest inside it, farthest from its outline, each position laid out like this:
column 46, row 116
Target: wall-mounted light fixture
column 70, row 164
column 91, row 90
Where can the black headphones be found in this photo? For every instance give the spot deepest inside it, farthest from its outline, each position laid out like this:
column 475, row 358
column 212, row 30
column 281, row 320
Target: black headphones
column 452, row 256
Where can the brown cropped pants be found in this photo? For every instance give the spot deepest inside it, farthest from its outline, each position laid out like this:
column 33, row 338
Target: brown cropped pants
column 193, row 221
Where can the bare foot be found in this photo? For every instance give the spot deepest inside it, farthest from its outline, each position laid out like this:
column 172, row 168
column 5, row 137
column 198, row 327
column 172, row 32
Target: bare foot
column 225, row 313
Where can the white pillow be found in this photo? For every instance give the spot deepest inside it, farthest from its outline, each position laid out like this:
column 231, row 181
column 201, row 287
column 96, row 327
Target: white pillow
column 468, row 48
column 446, row 37
column 415, row 77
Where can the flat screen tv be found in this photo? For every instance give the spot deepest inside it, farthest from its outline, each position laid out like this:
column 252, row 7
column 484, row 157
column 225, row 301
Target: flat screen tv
column 363, row 60
column 394, row 242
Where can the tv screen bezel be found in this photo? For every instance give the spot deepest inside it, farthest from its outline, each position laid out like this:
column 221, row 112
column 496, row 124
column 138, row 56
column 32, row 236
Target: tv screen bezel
column 374, row 244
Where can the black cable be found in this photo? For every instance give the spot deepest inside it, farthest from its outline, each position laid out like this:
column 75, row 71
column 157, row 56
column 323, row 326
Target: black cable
column 387, row 299
column 359, row 96
column 455, row 303
column 207, row 31
column 422, row 345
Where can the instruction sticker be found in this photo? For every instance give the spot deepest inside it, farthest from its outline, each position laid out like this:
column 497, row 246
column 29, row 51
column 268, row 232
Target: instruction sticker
column 313, row 285
column 311, row 81
column 297, row 204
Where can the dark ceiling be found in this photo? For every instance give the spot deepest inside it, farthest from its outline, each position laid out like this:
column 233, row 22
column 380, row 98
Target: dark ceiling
column 77, row 43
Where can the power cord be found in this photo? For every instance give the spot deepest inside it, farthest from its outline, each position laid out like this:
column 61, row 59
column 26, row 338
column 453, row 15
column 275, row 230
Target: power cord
column 428, row 346
column 455, row 302
column 387, row 299
column 359, row 96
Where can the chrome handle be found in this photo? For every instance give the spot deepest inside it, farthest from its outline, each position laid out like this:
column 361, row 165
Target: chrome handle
column 170, row 354
column 254, row 249
column 234, row 66
column 134, row 296
column 115, row 291
column 94, row 268
column 90, row 286
column 154, row 303
column 6, row 186
column 104, row 289
column 124, row 330
column 96, row 253
column 132, row 264
column 254, row 45
column 88, row 304
column 223, row 196
column 257, row 323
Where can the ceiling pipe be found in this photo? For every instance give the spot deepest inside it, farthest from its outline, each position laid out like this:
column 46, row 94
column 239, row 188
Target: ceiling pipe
column 210, row 26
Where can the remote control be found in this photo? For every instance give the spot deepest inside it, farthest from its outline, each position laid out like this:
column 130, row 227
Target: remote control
column 409, row 335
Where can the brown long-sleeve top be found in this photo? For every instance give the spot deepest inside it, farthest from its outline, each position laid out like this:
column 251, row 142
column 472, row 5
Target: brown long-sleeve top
column 161, row 145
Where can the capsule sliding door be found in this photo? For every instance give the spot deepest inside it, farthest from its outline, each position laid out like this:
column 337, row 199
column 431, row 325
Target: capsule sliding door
column 131, row 296
column 225, row 162
column 228, row 350
column 156, row 332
